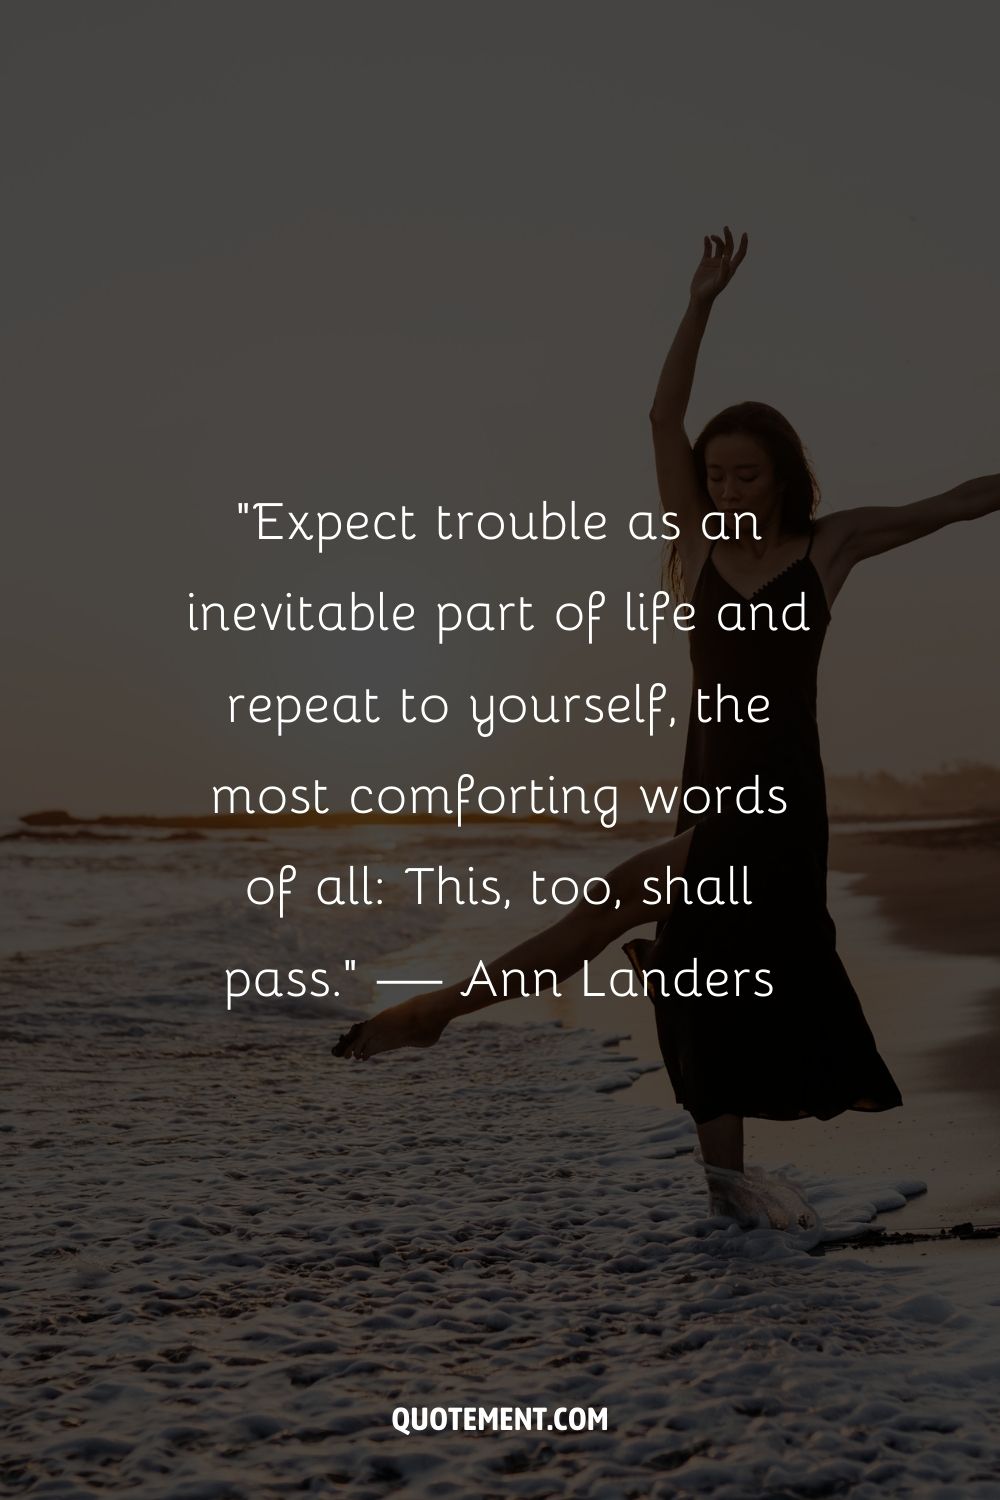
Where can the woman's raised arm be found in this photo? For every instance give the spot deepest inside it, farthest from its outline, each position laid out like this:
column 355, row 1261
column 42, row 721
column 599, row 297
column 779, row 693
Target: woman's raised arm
column 676, row 476
column 714, row 272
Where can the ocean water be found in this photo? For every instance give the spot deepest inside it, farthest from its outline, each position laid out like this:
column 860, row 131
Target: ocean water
column 138, row 932
column 137, row 919
column 231, row 1256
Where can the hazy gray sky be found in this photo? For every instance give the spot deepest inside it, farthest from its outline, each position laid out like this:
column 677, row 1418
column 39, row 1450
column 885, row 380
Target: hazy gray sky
column 348, row 255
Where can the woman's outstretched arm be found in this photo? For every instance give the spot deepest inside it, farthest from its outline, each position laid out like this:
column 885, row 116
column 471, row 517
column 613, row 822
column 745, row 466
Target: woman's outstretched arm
column 867, row 530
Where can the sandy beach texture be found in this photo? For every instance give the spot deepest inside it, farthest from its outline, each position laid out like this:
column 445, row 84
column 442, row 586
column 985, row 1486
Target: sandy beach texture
column 915, row 909
column 939, row 891
column 230, row 1257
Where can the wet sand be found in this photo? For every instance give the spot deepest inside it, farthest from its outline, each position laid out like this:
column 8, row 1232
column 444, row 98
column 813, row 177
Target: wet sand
column 922, row 944
column 916, row 913
column 232, row 1255
column 938, row 890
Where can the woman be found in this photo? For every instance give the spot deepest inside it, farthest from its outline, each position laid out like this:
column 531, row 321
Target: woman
column 795, row 1044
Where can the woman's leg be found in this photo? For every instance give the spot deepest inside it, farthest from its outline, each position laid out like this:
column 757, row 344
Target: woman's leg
column 721, row 1142
column 581, row 934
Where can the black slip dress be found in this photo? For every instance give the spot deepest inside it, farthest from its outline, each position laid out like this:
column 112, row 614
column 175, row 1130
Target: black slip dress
column 805, row 1049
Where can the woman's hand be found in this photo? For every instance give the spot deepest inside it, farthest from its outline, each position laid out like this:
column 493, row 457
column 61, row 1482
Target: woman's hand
column 716, row 268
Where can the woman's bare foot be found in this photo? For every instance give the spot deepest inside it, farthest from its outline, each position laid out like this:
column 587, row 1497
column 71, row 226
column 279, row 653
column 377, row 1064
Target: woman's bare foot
column 793, row 1207
column 757, row 1197
column 413, row 1023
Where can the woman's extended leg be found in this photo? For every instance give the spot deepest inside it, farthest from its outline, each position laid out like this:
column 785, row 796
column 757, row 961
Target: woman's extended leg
column 561, row 949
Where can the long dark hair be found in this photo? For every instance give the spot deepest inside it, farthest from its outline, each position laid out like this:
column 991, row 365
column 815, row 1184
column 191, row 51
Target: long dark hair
column 793, row 472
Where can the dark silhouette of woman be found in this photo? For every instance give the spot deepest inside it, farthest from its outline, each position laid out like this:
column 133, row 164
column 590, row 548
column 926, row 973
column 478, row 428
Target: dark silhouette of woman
column 755, row 1013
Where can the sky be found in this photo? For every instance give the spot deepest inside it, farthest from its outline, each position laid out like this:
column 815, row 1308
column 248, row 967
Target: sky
column 359, row 256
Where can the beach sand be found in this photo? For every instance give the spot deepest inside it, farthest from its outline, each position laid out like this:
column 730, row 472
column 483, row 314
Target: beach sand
column 937, row 890
column 230, row 1256
column 915, row 910
column 233, row 1256
column 926, row 962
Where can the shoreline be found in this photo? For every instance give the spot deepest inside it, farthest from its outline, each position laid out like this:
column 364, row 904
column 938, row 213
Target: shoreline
column 942, row 903
column 916, row 917
column 917, row 930
column 216, row 1299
